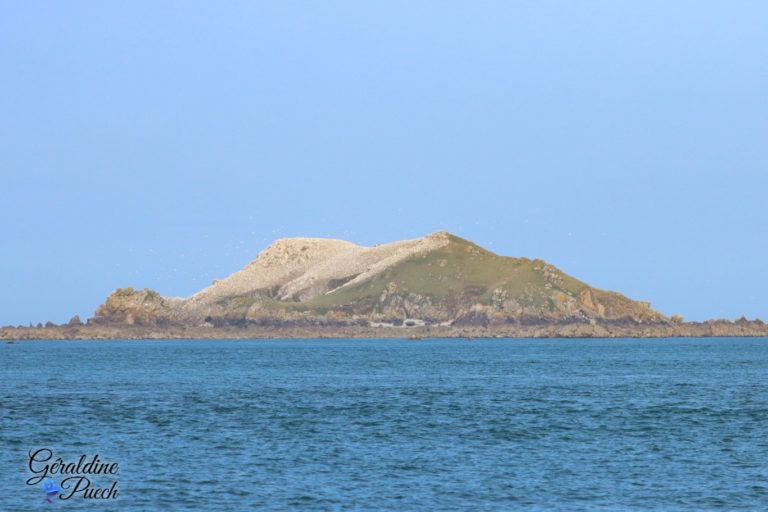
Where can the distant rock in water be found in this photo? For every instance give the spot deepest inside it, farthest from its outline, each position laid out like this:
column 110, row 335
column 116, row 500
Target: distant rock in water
column 439, row 279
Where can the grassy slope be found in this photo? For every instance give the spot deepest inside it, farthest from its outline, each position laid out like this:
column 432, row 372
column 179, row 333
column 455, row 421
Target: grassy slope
column 459, row 268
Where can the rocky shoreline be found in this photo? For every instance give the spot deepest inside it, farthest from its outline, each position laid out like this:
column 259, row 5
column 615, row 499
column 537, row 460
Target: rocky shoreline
column 708, row 329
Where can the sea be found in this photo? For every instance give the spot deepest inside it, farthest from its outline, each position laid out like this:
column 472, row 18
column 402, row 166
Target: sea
column 395, row 425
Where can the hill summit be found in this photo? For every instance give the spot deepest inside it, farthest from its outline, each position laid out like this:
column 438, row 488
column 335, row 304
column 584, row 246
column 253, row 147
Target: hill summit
column 439, row 279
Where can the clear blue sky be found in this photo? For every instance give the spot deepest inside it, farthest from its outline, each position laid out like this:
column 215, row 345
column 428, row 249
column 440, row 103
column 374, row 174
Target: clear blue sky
column 164, row 144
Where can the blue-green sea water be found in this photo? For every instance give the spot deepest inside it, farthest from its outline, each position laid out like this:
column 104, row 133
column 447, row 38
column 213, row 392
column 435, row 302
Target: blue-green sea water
column 667, row 424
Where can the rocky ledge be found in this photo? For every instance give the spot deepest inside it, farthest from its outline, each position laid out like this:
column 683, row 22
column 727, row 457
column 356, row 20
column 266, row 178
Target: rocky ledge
column 603, row 329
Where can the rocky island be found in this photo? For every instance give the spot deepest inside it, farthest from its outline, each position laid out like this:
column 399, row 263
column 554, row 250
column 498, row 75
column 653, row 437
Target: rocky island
column 439, row 285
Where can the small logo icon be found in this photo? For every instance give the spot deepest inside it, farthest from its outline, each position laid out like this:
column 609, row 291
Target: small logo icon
column 51, row 490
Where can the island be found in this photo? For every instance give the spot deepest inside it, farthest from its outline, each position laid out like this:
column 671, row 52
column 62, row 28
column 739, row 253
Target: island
column 439, row 285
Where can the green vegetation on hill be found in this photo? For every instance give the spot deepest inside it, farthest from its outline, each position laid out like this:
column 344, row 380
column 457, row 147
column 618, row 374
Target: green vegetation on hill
column 459, row 269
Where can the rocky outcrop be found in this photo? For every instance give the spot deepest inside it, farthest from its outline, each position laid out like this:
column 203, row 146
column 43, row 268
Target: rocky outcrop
column 137, row 307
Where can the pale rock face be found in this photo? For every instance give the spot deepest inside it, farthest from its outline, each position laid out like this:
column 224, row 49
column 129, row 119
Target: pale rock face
column 586, row 299
column 279, row 264
column 304, row 268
